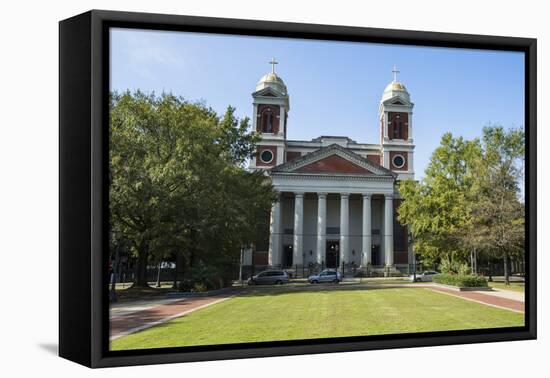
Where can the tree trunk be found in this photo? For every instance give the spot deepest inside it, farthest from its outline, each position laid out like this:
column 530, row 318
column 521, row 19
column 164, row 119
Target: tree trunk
column 506, row 269
column 141, row 266
column 158, row 275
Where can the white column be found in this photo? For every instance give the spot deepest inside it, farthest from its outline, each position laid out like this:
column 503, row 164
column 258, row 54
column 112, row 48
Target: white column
column 298, row 258
column 255, row 117
column 275, row 234
column 386, row 136
column 321, row 226
column 344, row 228
column 410, row 127
column 410, row 161
column 386, row 159
column 280, row 155
column 388, row 230
column 367, row 228
column 281, row 120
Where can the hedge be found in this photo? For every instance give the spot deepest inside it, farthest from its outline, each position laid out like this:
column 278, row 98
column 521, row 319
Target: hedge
column 460, row 280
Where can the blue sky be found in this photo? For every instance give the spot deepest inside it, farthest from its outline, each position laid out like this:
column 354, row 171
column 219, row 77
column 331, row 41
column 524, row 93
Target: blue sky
column 334, row 87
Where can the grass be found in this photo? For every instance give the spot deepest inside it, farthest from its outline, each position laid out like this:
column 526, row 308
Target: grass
column 514, row 286
column 320, row 314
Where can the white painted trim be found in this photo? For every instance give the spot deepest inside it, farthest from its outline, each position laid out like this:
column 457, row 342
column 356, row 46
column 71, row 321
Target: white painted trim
column 405, row 160
column 272, row 156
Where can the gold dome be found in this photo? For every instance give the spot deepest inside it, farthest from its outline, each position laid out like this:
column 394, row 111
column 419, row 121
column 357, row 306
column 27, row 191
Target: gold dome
column 395, row 86
column 271, row 77
column 272, row 80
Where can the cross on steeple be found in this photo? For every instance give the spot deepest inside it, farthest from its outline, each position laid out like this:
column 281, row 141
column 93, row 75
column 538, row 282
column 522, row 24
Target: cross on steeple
column 395, row 72
column 273, row 62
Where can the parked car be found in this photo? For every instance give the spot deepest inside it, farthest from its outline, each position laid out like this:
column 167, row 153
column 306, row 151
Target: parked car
column 425, row 276
column 325, row 276
column 269, row 277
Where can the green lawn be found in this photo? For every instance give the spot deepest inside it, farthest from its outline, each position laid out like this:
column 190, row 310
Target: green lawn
column 514, row 286
column 320, row 314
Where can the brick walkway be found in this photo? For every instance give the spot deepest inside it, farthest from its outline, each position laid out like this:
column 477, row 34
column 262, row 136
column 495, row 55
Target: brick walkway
column 484, row 298
column 139, row 320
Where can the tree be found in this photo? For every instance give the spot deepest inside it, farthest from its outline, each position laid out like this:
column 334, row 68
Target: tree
column 470, row 198
column 499, row 214
column 437, row 209
column 177, row 180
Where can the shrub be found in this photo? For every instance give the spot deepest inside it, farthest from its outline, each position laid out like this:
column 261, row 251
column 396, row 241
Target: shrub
column 449, row 266
column 460, row 280
column 200, row 287
column 463, row 270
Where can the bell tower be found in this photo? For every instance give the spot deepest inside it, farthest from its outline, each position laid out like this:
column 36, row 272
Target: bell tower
column 269, row 119
column 396, row 139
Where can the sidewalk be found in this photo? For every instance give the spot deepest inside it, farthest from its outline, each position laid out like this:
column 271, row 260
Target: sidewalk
column 134, row 317
column 495, row 298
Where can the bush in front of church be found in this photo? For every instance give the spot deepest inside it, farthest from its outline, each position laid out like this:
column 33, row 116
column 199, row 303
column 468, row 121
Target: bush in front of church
column 460, row 280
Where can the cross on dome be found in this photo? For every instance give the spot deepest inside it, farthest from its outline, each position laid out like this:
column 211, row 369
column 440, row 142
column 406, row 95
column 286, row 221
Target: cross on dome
column 273, row 62
column 395, row 72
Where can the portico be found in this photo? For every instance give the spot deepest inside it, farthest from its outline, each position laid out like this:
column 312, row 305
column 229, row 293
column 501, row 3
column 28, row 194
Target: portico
column 351, row 210
column 352, row 239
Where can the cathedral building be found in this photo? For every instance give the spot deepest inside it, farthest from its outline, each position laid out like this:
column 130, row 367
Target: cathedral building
column 337, row 198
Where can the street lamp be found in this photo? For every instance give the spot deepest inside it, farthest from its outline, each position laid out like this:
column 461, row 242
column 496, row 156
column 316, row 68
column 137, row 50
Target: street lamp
column 411, row 240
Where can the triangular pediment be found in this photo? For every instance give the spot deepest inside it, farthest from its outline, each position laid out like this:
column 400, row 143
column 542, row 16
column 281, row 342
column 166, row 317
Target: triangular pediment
column 267, row 92
column 397, row 100
column 333, row 159
column 333, row 164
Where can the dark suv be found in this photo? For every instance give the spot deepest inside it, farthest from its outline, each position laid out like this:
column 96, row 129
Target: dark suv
column 269, row 277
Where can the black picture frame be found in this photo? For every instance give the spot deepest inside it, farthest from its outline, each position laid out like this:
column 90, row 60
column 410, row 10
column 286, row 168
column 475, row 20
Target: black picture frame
column 83, row 181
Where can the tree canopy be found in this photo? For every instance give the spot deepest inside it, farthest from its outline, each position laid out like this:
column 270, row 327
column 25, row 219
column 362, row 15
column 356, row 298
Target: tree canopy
column 178, row 184
column 470, row 197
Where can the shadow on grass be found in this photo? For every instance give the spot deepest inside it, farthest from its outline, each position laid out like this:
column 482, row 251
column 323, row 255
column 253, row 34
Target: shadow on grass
column 290, row 289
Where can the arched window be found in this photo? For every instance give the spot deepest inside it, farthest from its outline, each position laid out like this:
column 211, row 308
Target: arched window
column 267, row 121
column 397, row 129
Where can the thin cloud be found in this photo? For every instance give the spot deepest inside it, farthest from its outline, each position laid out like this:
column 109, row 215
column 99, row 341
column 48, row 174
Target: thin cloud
column 147, row 55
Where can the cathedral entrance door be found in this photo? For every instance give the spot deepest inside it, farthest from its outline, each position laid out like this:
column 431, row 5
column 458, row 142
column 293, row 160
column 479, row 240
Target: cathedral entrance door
column 332, row 253
column 375, row 255
column 287, row 256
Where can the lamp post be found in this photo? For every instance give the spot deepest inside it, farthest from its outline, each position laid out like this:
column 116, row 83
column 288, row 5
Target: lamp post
column 241, row 265
column 414, row 255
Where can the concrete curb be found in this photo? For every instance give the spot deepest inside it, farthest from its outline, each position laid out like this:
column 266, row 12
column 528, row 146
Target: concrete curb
column 458, row 288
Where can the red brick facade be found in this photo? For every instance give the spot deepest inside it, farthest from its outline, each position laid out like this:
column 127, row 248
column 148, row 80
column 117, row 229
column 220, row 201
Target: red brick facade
column 405, row 167
column 398, row 125
column 291, row 155
column 260, row 163
column 260, row 258
column 374, row 158
column 334, row 164
column 263, row 111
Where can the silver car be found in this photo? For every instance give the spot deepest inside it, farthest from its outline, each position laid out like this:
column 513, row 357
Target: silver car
column 425, row 276
column 325, row 276
column 269, row 277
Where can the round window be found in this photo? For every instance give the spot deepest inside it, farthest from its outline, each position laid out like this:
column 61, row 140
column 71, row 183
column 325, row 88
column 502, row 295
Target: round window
column 398, row 161
column 266, row 156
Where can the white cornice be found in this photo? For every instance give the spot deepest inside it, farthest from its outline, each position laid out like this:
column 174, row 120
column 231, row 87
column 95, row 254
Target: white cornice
column 330, row 176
